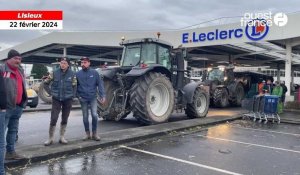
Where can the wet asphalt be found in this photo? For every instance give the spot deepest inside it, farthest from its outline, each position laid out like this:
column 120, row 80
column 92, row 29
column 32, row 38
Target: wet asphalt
column 239, row 147
column 34, row 126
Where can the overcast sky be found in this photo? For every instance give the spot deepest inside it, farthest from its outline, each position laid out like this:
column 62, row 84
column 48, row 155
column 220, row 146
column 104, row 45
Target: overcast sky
column 137, row 14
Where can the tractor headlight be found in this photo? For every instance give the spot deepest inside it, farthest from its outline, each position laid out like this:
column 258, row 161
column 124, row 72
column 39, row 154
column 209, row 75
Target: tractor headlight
column 225, row 78
column 222, row 69
column 209, row 69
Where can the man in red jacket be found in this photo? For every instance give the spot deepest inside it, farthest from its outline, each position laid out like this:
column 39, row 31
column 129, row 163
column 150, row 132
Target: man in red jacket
column 14, row 82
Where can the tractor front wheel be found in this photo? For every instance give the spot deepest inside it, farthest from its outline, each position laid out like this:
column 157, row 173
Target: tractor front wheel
column 199, row 106
column 152, row 98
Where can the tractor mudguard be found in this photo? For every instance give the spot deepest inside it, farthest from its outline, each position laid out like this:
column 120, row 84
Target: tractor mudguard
column 108, row 73
column 138, row 71
column 189, row 90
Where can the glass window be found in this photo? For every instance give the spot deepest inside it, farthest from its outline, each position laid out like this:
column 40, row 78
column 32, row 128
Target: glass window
column 132, row 55
column 149, row 53
column 216, row 74
column 164, row 57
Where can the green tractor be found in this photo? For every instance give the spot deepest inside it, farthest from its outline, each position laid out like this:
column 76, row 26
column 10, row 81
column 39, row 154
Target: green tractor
column 151, row 82
column 224, row 87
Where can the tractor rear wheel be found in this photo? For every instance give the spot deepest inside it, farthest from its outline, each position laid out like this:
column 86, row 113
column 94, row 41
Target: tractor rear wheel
column 152, row 98
column 220, row 98
column 199, row 106
column 240, row 93
column 45, row 93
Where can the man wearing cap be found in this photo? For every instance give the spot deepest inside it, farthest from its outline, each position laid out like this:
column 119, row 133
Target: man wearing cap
column 63, row 89
column 88, row 84
column 16, row 99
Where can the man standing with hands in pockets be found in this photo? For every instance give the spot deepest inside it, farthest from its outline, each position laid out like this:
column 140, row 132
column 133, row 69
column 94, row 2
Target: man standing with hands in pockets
column 88, row 84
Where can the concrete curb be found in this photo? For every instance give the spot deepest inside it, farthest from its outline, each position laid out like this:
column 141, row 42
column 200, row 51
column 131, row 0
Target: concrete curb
column 292, row 110
column 37, row 153
column 296, row 122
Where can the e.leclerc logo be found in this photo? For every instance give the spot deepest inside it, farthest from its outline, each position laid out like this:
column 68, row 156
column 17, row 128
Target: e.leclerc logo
column 255, row 30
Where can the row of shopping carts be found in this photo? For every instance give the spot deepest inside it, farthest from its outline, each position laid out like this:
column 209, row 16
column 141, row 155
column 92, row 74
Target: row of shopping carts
column 262, row 108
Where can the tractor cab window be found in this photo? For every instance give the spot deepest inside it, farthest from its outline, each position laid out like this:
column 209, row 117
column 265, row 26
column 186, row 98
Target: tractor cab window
column 149, row 53
column 164, row 57
column 132, row 55
column 216, row 74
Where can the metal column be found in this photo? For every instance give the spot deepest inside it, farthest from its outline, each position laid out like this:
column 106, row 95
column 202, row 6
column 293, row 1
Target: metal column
column 64, row 51
column 288, row 67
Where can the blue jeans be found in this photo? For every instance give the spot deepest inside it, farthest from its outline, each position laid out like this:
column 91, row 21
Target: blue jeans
column 12, row 117
column 85, row 105
column 2, row 142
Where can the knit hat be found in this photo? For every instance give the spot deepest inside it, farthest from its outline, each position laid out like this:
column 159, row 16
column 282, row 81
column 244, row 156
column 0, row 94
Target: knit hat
column 65, row 59
column 12, row 53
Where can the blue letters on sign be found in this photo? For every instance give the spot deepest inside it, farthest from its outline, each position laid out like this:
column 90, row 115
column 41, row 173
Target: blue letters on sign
column 185, row 37
column 225, row 34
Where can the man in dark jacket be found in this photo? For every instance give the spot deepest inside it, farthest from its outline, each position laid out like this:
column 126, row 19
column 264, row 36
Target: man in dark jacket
column 14, row 82
column 284, row 90
column 88, row 84
column 2, row 122
column 63, row 89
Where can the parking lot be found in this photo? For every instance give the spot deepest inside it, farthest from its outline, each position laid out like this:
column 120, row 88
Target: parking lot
column 239, row 147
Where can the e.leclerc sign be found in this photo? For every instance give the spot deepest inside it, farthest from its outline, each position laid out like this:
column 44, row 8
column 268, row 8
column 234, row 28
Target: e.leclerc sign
column 255, row 30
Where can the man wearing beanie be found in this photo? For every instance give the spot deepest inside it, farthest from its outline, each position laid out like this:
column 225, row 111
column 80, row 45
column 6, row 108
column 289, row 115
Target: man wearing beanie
column 63, row 90
column 16, row 99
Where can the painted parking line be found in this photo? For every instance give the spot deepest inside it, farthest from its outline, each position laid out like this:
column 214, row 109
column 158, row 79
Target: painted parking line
column 263, row 130
column 250, row 144
column 181, row 160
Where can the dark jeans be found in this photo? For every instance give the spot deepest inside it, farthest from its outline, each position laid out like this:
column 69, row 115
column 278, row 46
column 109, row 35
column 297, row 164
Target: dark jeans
column 2, row 142
column 57, row 106
column 283, row 98
column 12, row 117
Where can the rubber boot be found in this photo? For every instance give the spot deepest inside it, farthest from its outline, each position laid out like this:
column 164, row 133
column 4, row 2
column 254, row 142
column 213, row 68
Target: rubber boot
column 95, row 136
column 62, row 139
column 51, row 136
column 87, row 136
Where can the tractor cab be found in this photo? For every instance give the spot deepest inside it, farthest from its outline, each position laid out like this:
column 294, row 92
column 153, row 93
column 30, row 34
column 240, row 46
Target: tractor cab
column 144, row 52
column 221, row 74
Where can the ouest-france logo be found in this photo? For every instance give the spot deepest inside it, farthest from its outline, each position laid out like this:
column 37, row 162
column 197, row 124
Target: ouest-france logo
column 255, row 26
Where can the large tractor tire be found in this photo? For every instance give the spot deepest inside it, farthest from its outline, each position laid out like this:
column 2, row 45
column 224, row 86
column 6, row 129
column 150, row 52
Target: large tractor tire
column 109, row 87
column 240, row 93
column 152, row 98
column 220, row 98
column 45, row 93
column 199, row 106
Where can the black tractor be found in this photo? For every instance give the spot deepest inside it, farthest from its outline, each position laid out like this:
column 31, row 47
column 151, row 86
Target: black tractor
column 225, row 89
column 151, row 82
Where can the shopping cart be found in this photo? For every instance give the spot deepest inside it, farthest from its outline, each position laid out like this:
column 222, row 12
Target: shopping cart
column 247, row 104
column 270, row 108
column 261, row 108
